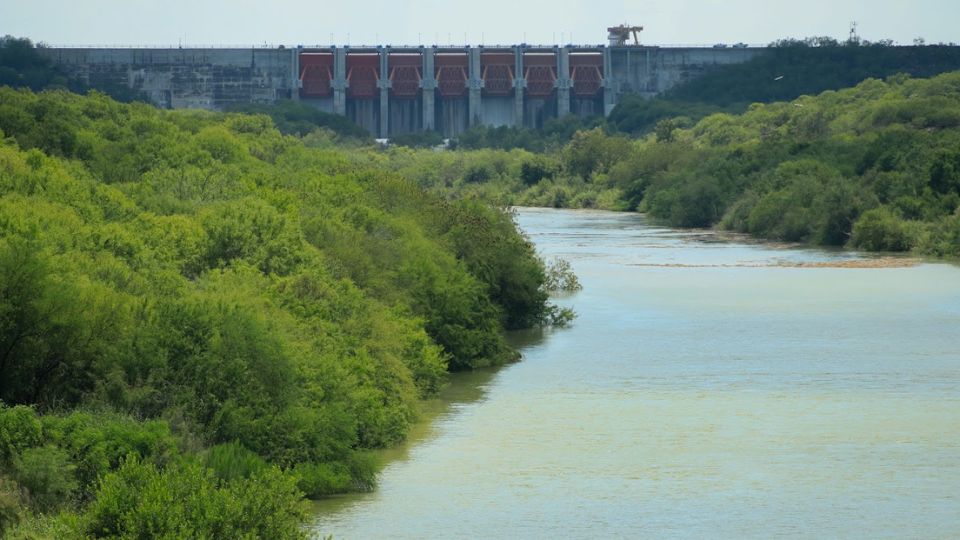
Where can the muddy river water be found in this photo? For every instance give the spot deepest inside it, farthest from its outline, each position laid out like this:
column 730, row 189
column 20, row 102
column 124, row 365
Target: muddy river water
column 711, row 387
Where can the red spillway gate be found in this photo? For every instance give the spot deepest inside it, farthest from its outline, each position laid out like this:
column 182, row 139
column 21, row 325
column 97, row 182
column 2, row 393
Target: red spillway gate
column 451, row 73
column 497, row 72
column 586, row 72
column 363, row 73
column 316, row 74
column 405, row 74
column 540, row 71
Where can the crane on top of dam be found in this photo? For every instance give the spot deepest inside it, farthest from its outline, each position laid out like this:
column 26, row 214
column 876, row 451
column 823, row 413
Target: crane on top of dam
column 620, row 35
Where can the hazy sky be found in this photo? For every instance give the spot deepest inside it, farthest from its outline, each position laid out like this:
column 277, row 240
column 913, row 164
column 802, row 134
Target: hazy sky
column 245, row 22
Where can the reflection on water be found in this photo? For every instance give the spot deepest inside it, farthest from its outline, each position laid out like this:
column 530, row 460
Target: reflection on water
column 462, row 390
column 712, row 386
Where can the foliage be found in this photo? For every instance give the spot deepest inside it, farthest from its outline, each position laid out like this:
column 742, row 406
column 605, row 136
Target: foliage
column 10, row 508
column 535, row 170
column 788, row 69
column 233, row 461
column 321, row 479
column 873, row 166
column 421, row 139
column 141, row 501
column 794, row 67
column 198, row 312
column 880, row 230
column 22, row 65
column 295, row 118
column 46, row 477
column 804, row 171
column 560, row 277
column 19, row 430
column 594, row 152
column 639, row 115
column 553, row 134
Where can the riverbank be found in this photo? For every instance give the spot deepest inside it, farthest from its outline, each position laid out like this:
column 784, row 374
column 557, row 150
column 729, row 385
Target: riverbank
column 199, row 314
column 874, row 167
column 714, row 401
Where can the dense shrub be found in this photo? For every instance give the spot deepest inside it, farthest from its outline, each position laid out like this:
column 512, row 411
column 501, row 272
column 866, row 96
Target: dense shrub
column 813, row 170
column 46, row 477
column 292, row 117
column 142, row 501
column 211, row 302
column 881, row 230
column 321, row 479
column 422, row 139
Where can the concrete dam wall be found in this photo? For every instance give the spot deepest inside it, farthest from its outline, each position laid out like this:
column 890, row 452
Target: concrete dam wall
column 394, row 90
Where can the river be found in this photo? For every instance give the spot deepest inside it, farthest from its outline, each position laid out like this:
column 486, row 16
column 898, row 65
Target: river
column 711, row 387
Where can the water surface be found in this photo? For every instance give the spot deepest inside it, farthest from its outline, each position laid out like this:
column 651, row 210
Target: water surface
column 709, row 388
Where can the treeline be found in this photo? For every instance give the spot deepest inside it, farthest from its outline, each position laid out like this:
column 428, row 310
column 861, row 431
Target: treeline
column 788, row 69
column 202, row 319
column 561, row 177
column 876, row 167
column 295, row 118
column 22, row 66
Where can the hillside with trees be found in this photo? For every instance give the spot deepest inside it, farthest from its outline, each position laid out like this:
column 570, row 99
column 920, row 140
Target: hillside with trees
column 786, row 70
column 202, row 319
column 876, row 167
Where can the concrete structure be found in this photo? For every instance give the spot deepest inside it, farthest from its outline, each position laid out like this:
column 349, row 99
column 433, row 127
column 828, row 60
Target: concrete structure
column 393, row 90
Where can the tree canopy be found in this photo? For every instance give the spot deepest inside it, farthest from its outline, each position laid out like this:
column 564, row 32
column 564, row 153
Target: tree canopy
column 197, row 310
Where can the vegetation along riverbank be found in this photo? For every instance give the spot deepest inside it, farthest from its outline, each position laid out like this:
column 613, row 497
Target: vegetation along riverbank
column 203, row 319
column 206, row 316
column 876, row 167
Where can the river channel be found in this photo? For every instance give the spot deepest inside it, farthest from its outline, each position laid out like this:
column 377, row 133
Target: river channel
column 711, row 387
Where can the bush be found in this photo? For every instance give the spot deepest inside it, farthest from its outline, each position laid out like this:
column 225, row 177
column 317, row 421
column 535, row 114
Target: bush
column 296, row 118
column 98, row 443
column 46, row 477
column 535, row 170
column 19, row 430
column 560, row 277
column 476, row 174
column 227, row 284
column 594, row 151
column 9, row 504
column 422, row 139
column 187, row 501
column 880, row 230
column 944, row 237
column 233, row 461
column 692, row 203
column 316, row 480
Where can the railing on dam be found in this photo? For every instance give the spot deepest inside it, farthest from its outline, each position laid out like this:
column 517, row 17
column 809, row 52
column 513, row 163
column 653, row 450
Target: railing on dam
column 393, row 46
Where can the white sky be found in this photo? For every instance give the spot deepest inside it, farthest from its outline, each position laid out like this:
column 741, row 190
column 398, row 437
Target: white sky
column 292, row 22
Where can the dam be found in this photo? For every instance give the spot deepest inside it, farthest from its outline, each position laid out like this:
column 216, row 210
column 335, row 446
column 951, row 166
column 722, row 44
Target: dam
column 391, row 90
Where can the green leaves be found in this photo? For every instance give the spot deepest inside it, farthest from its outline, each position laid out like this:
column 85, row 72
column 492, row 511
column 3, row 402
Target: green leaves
column 880, row 230
column 231, row 288
column 816, row 170
column 187, row 501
